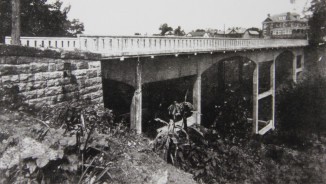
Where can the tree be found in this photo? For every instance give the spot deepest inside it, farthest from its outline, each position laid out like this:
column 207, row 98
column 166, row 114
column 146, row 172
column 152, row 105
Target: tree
column 179, row 32
column 15, row 22
column 317, row 22
column 165, row 28
column 39, row 18
column 200, row 30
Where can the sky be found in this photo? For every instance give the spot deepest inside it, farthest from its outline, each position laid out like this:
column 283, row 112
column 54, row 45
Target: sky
column 126, row 17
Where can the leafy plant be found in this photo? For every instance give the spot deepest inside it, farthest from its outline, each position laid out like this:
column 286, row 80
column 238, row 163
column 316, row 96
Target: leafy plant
column 68, row 148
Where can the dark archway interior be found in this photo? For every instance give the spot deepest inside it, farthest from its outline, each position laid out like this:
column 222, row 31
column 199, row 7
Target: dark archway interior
column 117, row 96
column 232, row 76
column 158, row 96
column 283, row 69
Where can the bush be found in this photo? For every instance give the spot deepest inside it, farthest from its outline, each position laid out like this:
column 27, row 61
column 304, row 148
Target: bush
column 301, row 109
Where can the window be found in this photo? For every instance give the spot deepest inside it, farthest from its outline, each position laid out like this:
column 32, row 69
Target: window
column 49, row 43
column 56, row 44
column 35, row 43
column 27, row 43
column 42, row 43
column 61, row 43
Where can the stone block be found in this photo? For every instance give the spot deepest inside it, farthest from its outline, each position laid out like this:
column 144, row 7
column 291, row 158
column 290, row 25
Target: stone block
column 29, row 94
column 98, row 100
column 79, row 72
column 38, row 77
column 94, row 64
column 97, row 94
column 53, row 75
column 82, row 82
column 41, row 93
column 10, row 79
column 11, row 60
column 91, row 89
column 99, row 73
column 93, row 81
column 8, row 69
column 38, row 67
column 25, row 60
column 82, row 65
column 2, row 60
column 54, row 82
column 52, row 67
column 53, row 91
column 23, row 86
column 25, row 77
column 23, row 68
column 59, row 66
column 39, row 85
column 92, row 73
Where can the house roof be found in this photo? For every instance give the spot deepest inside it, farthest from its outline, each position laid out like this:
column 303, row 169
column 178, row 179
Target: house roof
column 253, row 32
column 282, row 17
column 236, row 31
column 196, row 34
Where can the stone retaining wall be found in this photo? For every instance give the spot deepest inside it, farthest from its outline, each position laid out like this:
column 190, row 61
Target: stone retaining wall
column 46, row 80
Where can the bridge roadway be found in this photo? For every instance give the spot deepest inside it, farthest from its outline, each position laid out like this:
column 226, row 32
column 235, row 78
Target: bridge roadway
column 137, row 60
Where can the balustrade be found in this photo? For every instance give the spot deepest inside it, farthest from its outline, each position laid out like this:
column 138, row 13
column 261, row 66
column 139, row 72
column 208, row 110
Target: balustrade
column 141, row 45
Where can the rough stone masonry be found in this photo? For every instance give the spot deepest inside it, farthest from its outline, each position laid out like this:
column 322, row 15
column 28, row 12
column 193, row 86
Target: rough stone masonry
column 50, row 77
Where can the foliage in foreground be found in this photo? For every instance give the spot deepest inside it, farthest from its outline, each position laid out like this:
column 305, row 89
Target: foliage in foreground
column 72, row 150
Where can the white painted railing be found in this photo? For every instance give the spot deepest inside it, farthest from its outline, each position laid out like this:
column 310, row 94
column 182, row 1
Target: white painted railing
column 140, row 45
column 65, row 43
column 113, row 46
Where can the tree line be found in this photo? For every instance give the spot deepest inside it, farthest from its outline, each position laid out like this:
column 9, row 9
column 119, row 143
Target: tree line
column 36, row 18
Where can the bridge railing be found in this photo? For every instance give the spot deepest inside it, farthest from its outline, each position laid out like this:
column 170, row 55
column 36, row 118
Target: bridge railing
column 112, row 46
column 65, row 43
column 139, row 45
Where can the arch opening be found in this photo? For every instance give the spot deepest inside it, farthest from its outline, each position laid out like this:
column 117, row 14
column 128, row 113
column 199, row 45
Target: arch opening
column 228, row 80
column 158, row 96
column 284, row 69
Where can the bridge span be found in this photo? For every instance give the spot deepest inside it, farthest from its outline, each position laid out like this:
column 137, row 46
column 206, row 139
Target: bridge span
column 136, row 61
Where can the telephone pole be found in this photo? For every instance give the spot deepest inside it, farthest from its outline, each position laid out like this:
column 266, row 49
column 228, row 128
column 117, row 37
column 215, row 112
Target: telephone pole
column 15, row 22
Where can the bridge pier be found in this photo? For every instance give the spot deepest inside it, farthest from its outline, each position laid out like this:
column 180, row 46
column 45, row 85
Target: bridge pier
column 136, row 104
column 294, row 69
column 270, row 124
column 197, row 98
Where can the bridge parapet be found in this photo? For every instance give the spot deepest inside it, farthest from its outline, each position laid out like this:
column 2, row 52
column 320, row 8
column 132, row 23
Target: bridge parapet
column 115, row 46
column 120, row 46
column 64, row 43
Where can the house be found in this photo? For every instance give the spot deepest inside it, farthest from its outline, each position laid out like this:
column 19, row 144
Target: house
column 199, row 34
column 251, row 33
column 285, row 25
column 235, row 32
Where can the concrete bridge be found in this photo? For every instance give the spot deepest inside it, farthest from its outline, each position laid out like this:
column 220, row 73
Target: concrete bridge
column 141, row 60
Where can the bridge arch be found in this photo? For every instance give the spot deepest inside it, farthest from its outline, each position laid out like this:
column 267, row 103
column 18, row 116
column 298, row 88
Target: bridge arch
column 284, row 68
column 233, row 73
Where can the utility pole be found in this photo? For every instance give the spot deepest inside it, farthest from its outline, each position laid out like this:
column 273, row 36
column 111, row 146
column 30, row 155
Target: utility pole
column 15, row 22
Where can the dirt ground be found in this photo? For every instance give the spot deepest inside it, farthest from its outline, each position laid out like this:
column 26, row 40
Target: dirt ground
column 133, row 161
